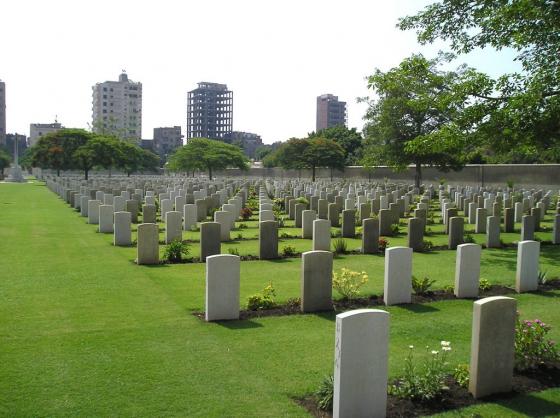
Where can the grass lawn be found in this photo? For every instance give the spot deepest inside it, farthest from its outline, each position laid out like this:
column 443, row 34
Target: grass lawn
column 84, row 331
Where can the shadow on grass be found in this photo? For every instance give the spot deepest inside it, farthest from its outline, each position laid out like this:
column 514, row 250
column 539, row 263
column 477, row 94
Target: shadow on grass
column 418, row 308
column 532, row 406
column 241, row 324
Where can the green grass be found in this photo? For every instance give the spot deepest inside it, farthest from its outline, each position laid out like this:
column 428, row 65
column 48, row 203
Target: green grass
column 84, row 331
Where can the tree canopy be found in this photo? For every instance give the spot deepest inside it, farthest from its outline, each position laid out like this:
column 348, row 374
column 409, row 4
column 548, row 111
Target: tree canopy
column 519, row 113
column 350, row 140
column 309, row 153
column 418, row 117
column 207, row 154
column 78, row 149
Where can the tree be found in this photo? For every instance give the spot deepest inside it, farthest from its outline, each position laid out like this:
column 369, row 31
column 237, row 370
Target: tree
column 418, row 117
column 55, row 150
column 519, row 113
column 98, row 151
column 150, row 161
column 207, row 154
column 349, row 139
column 309, row 153
column 5, row 161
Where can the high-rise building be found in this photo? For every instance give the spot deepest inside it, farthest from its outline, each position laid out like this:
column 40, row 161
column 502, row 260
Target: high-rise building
column 248, row 141
column 117, row 108
column 330, row 112
column 21, row 141
column 37, row 130
column 209, row 111
column 2, row 113
column 167, row 140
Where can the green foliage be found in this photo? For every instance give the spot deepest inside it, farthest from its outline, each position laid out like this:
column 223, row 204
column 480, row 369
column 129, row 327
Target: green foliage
column 427, row 246
column 425, row 382
column 350, row 140
column 289, row 251
column 340, row 246
column 461, row 375
column 532, row 348
column 175, row 250
column 233, row 251
column 484, row 285
column 263, row 300
column 421, row 286
column 207, row 154
column 5, row 160
column 542, row 277
column 468, row 239
column 242, row 226
column 510, row 183
column 56, row 150
column 395, row 229
column 325, row 393
column 308, row 153
column 517, row 113
column 417, row 117
column 348, row 283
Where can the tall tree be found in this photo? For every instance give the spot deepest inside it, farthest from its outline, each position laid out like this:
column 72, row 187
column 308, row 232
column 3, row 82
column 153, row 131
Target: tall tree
column 5, row 161
column 98, row 151
column 417, row 118
column 55, row 150
column 207, row 154
column 519, row 113
column 349, row 139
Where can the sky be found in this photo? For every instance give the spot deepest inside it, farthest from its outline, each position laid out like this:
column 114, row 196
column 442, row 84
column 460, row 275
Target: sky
column 276, row 57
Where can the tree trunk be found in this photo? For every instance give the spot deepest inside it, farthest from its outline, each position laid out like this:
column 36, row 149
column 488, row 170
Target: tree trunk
column 86, row 173
column 128, row 174
column 331, row 173
column 313, row 173
column 210, row 172
column 58, row 172
column 418, row 175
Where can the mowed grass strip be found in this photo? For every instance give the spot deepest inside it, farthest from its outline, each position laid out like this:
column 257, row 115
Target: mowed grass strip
column 84, row 331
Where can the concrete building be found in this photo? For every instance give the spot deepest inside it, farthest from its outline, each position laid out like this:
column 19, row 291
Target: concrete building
column 2, row 113
column 167, row 140
column 246, row 140
column 37, row 130
column 117, row 108
column 209, row 111
column 330, row 112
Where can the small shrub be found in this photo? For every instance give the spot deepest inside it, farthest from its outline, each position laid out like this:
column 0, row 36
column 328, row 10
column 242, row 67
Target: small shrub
column 348, row 282
column 246, row 213
column 325, row 393
column 175, row 250
column 340, row 246
column 233, row 251
column 423, row 383
column 382, row 243
column 430, row 220
column 542, row 277
column 285, row 235
column 303, row 200
column 242, row 226
column 239, row 236
column 289, row 251
column 484, row 285
column 532, row 348
column 335, row 234
column 448, row 288
column 395, row 229
column 427, row 246
column 509, row 184
column 468, row 239
column 281, row 221
column 263, row 300
column 461, row 375
column 421, row 286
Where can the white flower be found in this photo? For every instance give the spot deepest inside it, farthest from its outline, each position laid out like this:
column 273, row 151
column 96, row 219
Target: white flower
column 446, row 348
column 435, row 352
column 445, row 343
column 411, row 347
